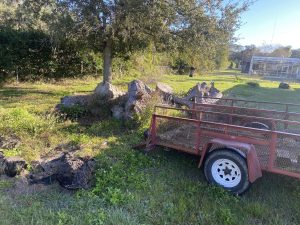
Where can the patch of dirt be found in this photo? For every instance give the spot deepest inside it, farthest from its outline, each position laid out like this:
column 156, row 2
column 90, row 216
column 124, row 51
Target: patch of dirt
column 19, row 185
column 9, row 142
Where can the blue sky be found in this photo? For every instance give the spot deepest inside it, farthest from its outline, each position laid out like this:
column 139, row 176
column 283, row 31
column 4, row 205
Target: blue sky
column 271, row 22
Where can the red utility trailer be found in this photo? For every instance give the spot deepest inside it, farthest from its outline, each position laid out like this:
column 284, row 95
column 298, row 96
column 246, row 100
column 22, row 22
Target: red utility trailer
column 235, row 142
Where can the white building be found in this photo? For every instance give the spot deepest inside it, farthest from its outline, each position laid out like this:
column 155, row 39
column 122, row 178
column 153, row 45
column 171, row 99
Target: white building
column 275, row 67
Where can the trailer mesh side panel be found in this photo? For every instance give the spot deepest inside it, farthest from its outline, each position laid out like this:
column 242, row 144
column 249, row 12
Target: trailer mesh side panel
column 192, row 133
column 176, row 132
column 252, row 111
column 287, row 153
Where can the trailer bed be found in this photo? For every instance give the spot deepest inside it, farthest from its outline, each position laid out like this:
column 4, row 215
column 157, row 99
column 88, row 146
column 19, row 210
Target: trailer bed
column 277, row 148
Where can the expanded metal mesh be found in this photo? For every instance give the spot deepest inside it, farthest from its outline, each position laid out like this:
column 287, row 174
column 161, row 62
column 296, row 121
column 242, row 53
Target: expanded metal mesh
column 205, row 126
column 288, row 152
column 268, row 110
column 175, row 132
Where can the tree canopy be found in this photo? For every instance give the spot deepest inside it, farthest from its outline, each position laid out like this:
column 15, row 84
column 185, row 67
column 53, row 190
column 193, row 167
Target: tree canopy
column 197, row 32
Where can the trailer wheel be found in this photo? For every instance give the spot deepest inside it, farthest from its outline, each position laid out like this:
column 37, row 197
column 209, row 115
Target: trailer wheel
column 227, row 169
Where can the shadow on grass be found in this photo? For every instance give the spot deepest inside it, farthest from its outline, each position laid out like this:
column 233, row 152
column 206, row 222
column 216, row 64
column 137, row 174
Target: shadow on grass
column 227, row 72
column 19, row 92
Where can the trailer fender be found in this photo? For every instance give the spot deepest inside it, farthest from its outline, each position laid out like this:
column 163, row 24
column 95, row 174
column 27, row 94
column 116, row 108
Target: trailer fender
column 246, row 150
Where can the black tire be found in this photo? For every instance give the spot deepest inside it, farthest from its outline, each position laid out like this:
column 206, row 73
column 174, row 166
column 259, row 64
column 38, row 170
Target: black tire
column 146, row 134
column 234, row 177
column 258, row 125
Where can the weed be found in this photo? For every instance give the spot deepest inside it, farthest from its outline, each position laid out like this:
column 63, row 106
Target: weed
column 238, row 79
column 96, row 218
column 224, row 216
column 257, row 210
column 106, row 128
column 73, row 112
column 120, row 174
column 5, row 184
column 19, row 120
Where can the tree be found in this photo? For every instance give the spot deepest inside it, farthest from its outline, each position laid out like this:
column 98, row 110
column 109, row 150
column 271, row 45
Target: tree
column 296, row 53
column 244, row 56
column 197, row 32
column 37, row 41
column 284, row 51
column 116, row 27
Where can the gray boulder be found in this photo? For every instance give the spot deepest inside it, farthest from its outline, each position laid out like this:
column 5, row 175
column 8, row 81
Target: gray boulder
column 107, row 91
column 117, row 112
column 138, row 96
column 71, row 101
column 198, row 94
column 284, row 85
column 164, row 91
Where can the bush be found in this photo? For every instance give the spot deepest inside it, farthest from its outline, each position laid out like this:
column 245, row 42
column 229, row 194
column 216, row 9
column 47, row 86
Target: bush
column 73, row 112
column 30, row 55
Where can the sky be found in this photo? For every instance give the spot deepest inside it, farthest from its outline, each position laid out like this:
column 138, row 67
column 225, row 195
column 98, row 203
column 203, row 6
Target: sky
column 271, row 22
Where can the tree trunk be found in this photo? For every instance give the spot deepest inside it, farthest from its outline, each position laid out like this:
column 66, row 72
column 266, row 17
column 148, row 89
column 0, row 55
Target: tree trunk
column 107, row 60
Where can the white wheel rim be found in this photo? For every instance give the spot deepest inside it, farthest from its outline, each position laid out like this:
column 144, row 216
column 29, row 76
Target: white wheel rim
column 226, row 173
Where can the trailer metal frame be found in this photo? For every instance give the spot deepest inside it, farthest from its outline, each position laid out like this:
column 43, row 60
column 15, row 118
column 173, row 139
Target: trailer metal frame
column 264, row 149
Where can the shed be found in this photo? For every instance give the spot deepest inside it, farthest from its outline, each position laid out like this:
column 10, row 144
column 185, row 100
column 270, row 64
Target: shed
column 275, row 67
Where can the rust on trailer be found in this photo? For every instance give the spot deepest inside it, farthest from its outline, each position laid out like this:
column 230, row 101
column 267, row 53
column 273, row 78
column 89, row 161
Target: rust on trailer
column 209, row 126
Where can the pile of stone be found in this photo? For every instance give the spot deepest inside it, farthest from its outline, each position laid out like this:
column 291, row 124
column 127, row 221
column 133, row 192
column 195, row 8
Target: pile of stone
column 125, row 105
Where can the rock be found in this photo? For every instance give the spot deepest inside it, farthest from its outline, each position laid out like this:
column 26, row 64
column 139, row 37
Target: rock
column 165, row 91
column 76, row 172
column 107, row 91
column 14, row 166
column 284, row 85
column 42, row 178
column 9, row 142
column 138, row 95
column 71, row 171
column 71, row 101
column 108, row 99
column 198, row 94
column 117, row 112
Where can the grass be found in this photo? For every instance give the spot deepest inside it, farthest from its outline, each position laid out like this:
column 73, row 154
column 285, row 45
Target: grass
column 132, row 188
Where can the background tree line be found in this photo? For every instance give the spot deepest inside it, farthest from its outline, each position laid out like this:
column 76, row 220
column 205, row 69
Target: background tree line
column 66, row 38
column 243, row 54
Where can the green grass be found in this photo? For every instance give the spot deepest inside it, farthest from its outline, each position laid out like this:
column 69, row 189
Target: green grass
column 131, row 187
